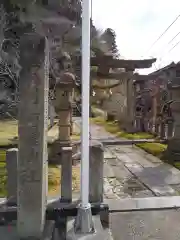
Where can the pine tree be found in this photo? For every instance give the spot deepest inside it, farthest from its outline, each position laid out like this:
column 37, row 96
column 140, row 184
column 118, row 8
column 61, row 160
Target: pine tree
column 110, row 37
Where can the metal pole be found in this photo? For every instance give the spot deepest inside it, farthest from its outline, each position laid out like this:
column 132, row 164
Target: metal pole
column 86, row 11
column 83, row 222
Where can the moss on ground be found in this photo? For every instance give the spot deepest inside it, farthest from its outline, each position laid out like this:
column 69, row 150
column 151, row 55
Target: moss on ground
column 9, row 132
column 98, row 120
column 156, row 149
column 75, row 136
column 177, row 165
column 97, row 112
column 54, row 177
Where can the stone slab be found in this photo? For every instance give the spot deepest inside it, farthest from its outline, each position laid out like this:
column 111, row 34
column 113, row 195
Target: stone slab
column 108, row 190
column 134, row 168
column 121, row 173
column 138, row 158
column 99, row 234
column 152, row 179
column 145, row 204
column 152, row 158
column 107, row 171
column 143, row 194
column 121, row 149
column 108, row 154
column 9, row 232
column 154, row 225
column 124, row 158
column 161, row 173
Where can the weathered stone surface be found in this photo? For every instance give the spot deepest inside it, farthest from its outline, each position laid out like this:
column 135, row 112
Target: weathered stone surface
column 173, row 149
column 152, row 158
column 146, row 225
column 66, row 174
column 99, row 234
column 108, row 190
column 33, row 126
column 173, row 153
column 128, row 162
column 141, row 160
column 108, row 154
column 143, row 194
column 122, row 149
column 108, row 172
column 96, row 162
column 152, row 179
column 11, row 166
column 124, row 158
column 121, row 173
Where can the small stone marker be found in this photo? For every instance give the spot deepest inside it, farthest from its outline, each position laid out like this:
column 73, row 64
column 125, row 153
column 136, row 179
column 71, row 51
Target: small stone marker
column 11, row 166
column 96, row 162
column 66, row 174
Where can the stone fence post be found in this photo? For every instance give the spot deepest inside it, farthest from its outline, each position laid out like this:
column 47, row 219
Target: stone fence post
column 163, row 130
column 96, row 172
column 11, row 166
column 66, row 174
column 170, row 128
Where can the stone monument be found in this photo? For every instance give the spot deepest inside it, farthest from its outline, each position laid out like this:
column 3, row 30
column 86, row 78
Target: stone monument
column 173, row 149
column 33, row 125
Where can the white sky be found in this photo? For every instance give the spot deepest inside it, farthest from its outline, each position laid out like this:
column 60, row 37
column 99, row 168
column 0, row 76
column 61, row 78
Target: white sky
column 138, row 24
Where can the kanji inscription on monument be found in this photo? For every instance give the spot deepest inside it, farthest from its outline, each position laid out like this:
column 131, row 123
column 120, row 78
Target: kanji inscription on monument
column 33, row 125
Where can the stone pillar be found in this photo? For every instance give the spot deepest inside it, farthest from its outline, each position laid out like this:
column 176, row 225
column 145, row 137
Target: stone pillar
column 33, row 127
column 157, row 126
column 154, row 114
column 173, row 149
column 96, row 172
column 11, row 166
column 51, row 115
column 66, row 174
column 130, row 111
column 170, row 128
column 163, row 129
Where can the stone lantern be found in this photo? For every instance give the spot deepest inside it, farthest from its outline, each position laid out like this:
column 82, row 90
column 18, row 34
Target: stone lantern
column 63, row 100
column 65, row 82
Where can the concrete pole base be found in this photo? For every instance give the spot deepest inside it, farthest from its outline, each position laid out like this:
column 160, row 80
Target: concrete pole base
column 83, row 222
column 99, row 232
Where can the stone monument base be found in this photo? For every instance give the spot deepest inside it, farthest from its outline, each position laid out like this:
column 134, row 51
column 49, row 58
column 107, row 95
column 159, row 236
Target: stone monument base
column 99, row 234
column 172, row 153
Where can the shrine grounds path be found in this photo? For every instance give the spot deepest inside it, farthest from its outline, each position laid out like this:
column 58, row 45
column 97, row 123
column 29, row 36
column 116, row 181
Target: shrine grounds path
column 129, row 172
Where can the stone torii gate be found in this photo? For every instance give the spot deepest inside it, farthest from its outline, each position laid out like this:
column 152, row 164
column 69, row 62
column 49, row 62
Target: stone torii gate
column 105, row 63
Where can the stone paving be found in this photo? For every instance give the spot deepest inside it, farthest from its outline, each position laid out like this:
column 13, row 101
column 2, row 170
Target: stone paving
column 131, row 172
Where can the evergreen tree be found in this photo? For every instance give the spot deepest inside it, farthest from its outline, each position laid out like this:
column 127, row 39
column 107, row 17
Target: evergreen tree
column 110, row 37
